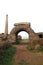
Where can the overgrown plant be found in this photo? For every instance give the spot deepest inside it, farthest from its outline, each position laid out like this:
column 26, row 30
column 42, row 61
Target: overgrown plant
column 19, row 39
column 7, row 52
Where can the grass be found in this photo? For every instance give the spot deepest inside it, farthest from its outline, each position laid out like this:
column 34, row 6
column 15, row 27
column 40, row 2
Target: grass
column 6, row 55
column 36, row 48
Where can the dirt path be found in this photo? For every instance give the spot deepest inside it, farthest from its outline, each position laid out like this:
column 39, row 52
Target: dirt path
column 21, row 47
column 23, row 55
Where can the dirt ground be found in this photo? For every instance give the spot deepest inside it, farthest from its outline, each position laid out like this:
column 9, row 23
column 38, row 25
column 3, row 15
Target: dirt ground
column 23, row 55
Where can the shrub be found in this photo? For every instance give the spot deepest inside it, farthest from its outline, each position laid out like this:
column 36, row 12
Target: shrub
column 19, row 40
column 7, row 52
column 31, row 49
column 37, row 47
column 41, row 48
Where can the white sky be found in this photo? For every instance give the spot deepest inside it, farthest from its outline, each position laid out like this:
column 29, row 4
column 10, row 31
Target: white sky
column 22, row 11
column 24, row 35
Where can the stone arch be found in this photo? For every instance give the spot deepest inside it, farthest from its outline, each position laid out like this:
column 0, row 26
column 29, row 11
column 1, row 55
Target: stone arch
column 22, row 27
column 16, row 33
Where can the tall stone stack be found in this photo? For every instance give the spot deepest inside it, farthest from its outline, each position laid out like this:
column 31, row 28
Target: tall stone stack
column 6, row 26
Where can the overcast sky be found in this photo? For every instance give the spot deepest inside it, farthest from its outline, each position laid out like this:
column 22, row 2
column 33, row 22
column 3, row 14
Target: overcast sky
column 22, row 11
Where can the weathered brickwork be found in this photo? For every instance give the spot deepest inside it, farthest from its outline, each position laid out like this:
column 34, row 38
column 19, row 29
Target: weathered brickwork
column 18, row 27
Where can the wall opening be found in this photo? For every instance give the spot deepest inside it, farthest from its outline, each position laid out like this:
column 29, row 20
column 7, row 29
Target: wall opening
column 40, row 36
column 24, row 35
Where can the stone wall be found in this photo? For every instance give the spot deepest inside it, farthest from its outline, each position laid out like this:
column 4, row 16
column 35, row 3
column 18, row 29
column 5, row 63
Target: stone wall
column 18, row 27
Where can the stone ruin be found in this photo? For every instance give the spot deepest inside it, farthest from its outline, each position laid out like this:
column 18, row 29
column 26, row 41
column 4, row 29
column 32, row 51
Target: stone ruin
column 34, row 38
column 18, row 27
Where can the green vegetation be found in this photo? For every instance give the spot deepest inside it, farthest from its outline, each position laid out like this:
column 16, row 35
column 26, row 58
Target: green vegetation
column 7, row 52
column 19, row 40
column 31, row 49
column 36, row 48
column 41, row 49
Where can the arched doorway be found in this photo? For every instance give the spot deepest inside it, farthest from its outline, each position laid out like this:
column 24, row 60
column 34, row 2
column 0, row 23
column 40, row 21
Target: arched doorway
column 23, row 34
column 22, row 37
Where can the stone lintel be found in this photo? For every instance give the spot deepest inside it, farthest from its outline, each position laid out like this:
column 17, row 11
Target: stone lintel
column 22, row 23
